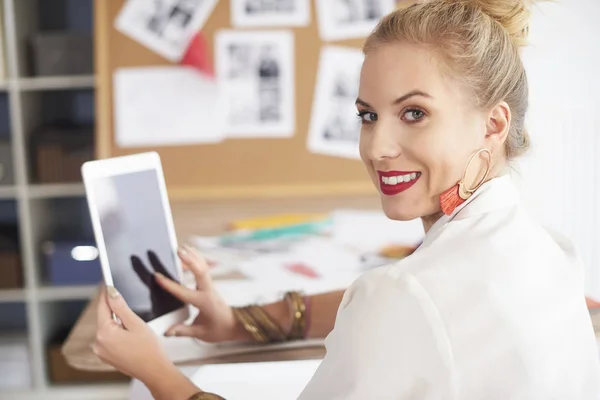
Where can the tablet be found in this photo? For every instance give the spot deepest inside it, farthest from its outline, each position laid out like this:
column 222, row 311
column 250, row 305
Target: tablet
column 135, row 235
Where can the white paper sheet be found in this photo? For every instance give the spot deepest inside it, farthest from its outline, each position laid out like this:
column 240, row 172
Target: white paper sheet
column 164, row 26
column 269, row 13
column 281, row 380
column 368, row 231
column 255, row 70
column 347, row 19
column 161, row 106
column 334, row 126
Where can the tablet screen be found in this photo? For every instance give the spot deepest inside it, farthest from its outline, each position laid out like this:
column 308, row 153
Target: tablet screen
column 136, row 236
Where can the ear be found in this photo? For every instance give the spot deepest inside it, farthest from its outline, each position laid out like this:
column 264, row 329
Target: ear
column 497, row 125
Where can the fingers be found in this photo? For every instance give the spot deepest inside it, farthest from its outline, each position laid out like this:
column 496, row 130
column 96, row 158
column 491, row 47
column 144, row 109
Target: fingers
column 141, row 271
column 178, row 290
column 158, row 265
column 117, row 304
column 197, row 264
column 103, row 313
column 185, row 331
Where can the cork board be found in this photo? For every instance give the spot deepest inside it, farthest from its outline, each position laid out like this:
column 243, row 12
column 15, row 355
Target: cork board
column 235, row 168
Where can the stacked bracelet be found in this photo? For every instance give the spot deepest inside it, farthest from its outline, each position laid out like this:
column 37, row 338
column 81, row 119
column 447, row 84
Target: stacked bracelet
column 264, row 329
column 271, row 327
column 257, row 331
column 298, row 311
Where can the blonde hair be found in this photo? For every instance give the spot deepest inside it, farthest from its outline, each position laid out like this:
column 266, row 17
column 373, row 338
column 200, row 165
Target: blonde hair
column 477, row 42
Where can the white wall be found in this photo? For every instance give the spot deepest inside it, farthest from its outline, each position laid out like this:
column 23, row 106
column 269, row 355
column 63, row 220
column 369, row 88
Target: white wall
column 560, row 178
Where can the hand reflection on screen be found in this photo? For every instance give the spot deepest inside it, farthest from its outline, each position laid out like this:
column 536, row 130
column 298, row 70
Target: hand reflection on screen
column 162, row 301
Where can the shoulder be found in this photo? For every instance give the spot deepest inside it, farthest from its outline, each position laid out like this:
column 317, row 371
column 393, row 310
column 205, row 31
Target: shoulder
column 383, row 283
column 391, row 299
column 387, row 339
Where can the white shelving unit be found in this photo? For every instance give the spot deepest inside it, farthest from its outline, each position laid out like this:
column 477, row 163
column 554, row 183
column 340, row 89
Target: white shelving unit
column 43, row 303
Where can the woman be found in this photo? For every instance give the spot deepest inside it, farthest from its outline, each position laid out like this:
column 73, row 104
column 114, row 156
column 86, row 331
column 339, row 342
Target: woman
column 490, row 306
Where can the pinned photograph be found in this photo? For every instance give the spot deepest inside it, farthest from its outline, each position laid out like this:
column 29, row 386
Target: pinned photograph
column 255, row 72
column 270, row 13
column 165, row 26
column 334, row 127
column 350, row 19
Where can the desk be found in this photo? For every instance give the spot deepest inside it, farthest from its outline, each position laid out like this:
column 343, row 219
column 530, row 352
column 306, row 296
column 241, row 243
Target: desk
column 211, row 218
column 79, row 354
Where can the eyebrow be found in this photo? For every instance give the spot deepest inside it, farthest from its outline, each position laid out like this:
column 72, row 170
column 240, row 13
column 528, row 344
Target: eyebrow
column 399, row 99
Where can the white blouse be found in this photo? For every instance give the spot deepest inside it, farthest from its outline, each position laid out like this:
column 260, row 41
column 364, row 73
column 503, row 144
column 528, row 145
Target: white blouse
column 491, row 306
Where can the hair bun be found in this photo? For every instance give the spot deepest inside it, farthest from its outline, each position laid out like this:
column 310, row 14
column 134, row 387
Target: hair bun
column 512, row 14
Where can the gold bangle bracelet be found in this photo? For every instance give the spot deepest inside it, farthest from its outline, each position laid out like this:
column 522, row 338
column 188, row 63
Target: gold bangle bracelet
column 270, row 326
column 250, row 325
column 298, row 315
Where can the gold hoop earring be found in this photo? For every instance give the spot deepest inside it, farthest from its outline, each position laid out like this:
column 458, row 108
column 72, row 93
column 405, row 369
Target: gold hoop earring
column 465, row 193
column 458, row 193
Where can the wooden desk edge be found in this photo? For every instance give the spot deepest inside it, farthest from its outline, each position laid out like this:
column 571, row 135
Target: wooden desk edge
column 78, row 353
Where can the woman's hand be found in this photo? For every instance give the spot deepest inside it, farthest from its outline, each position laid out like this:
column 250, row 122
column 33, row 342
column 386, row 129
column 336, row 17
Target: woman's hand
column 215, row 321
column 132, row 348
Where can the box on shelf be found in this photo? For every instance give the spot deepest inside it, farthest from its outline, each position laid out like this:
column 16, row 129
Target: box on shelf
column 59, row 151
column 11, row 273
column 6, row 164
column 62, row 53
column 70, row 262
column 60, row 372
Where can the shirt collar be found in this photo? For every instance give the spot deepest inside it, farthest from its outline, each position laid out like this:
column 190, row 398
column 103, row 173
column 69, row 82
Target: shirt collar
column 495, row 194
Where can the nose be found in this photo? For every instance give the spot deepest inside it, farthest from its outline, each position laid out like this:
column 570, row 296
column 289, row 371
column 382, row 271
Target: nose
column 383, row 145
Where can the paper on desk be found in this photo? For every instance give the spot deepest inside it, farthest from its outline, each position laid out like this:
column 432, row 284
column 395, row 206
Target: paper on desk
column 164, row 26
column 370, row 230
column 281, row 380
column 349, row 245
column 311, row 262
column 167, row 105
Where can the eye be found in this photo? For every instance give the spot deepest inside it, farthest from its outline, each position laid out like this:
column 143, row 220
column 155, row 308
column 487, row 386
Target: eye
column 413, row 115
column 367, row 117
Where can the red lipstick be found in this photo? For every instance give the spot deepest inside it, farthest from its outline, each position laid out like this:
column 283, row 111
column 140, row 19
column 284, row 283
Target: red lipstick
column 390, row 183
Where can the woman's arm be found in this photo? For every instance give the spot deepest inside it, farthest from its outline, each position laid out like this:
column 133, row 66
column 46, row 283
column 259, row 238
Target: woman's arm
column 323, row 310
column 135, row 350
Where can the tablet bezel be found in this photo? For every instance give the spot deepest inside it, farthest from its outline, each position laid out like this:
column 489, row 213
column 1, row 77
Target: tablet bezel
column 115, row 166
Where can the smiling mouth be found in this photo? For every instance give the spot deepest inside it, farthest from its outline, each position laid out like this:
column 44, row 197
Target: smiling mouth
column 395, row 182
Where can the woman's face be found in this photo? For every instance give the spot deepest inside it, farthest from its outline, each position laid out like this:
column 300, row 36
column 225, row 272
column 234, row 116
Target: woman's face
column 419, row 129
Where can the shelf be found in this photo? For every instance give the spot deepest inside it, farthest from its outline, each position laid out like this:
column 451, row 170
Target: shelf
column 75, row 292
column 12, row 295
column 8, row 192
column 56, row 82
column 56, row 190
